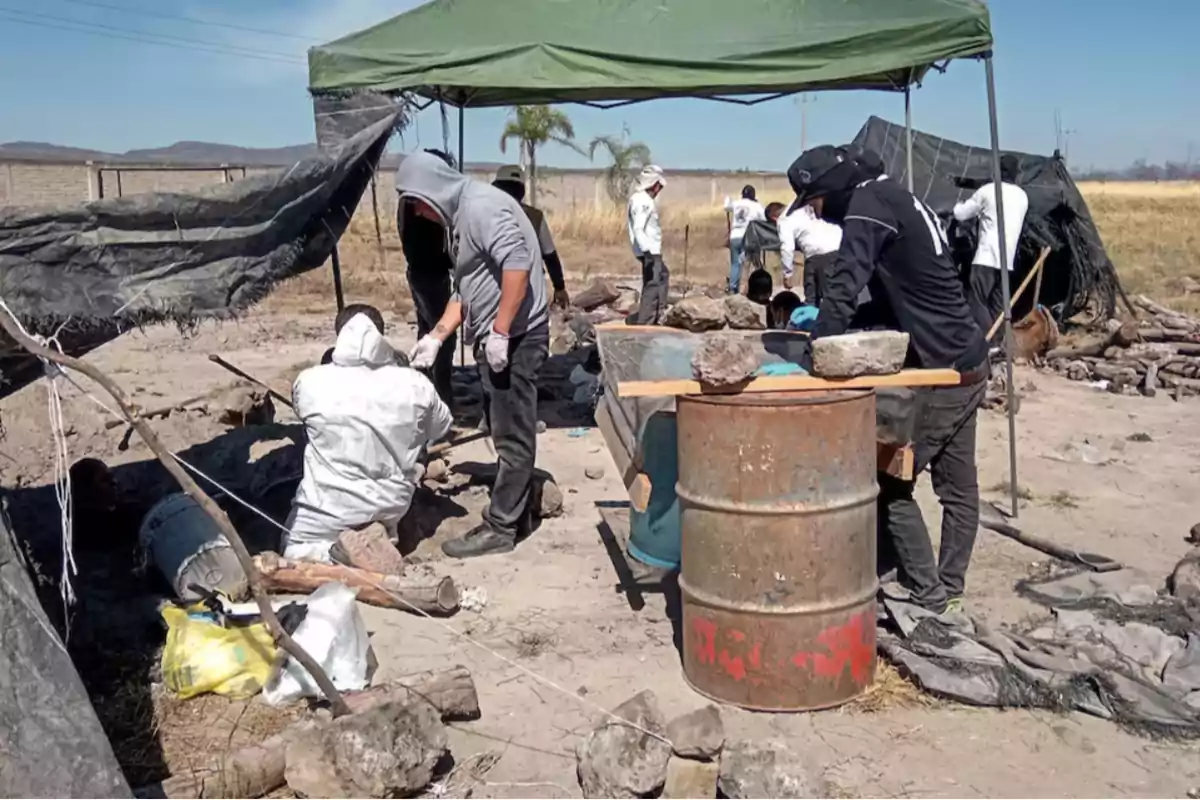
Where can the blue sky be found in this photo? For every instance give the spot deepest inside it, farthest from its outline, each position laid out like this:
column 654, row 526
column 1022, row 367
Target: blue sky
column 1120, row 73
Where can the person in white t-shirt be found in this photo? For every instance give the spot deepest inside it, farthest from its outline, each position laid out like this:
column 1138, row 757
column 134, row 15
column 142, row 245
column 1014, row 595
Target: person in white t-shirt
column 984, row 293
column 817, row 240
column 739, row 214
column 645, row 237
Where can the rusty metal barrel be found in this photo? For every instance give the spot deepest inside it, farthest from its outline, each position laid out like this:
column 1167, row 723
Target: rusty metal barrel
column 777, row 496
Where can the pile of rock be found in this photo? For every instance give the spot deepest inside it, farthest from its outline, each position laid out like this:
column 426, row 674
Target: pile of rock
column 1161, row 350
column 635, row 753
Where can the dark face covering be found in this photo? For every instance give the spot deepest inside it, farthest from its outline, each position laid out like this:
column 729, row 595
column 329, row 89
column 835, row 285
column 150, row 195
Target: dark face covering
column 835, row 205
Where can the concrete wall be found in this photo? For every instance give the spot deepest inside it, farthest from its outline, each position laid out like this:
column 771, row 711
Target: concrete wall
column 559, row 191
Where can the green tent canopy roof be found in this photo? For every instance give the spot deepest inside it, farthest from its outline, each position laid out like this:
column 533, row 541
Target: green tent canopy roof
column 507, row 52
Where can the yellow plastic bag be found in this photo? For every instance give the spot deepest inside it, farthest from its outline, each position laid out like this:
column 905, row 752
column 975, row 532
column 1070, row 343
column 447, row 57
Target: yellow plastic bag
column 202, row 656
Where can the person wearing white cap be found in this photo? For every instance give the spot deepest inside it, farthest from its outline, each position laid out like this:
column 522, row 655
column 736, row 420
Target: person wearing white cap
column 510, row 179
column 645, row 236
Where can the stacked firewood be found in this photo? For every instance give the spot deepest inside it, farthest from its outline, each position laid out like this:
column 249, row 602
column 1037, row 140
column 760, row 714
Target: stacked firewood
column 1159, row 350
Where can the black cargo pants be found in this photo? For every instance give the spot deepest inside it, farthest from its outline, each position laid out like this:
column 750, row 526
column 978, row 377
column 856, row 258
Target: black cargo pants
column 656, row 280
column 510, row 408
column 943, row 442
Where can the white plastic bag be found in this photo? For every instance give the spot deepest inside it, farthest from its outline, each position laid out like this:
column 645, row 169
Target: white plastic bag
column 334, row 634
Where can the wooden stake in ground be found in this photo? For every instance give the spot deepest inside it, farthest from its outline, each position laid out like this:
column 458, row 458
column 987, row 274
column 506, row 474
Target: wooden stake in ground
column 1037, row 270
column 193, row 490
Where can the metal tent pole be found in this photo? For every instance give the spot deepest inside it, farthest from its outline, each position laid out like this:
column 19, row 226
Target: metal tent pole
column 908, row 135
column 462, row 165
column 1004, row 281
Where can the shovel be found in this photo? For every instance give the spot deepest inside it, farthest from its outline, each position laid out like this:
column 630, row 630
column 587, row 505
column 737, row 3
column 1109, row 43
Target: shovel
column 993, row 519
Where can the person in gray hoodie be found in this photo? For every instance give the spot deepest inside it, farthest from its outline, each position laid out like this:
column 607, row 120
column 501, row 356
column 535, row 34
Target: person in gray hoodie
column 500, row 302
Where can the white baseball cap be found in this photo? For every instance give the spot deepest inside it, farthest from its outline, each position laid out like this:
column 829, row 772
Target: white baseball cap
column 510, row 173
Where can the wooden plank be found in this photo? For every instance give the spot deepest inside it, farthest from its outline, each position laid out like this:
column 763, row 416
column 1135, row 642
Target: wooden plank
column 636, row 482
column 895, row 460
column 791, row 383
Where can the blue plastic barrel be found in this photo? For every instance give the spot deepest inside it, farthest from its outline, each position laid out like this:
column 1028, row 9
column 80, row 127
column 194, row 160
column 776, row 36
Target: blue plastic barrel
column 654, row 534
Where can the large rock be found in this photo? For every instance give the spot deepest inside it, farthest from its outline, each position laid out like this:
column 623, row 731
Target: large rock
column 1185, row 580
column 724, row 360
column 767, row 770
column 853, row 354
column 699, row 734
column 387, row 751
column 696, row 314
column 742, row 313
column 690, row 779
column 617, row 760
column 627, row 302
column 599, row 293
column 548, row 498
column 245, row 405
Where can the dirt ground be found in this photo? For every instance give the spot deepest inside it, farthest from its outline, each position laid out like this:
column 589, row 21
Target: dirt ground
column 555, row 606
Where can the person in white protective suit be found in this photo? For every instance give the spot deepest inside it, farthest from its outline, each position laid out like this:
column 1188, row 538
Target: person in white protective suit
column 367, row 420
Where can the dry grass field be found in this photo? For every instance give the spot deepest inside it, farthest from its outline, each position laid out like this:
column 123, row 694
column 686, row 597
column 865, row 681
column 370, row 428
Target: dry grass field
column 1151, row 230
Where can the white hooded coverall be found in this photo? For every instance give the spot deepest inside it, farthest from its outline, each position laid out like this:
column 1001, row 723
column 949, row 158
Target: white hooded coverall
column 367, row 420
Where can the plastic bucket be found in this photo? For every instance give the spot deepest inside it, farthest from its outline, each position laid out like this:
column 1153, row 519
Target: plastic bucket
column 188, row 548
column 654, row 534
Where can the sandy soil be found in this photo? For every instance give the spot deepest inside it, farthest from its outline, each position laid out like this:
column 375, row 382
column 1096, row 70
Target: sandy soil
column 555, row 606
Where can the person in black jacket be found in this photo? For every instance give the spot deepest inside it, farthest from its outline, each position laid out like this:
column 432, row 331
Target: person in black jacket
column 429, row 280
column 893, row 243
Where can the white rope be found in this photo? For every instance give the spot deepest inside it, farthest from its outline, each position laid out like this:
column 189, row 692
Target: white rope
column 364, row 576
column 62, row 463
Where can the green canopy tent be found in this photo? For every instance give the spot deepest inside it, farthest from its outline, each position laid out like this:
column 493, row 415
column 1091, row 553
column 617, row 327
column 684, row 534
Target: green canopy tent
column 605, row 53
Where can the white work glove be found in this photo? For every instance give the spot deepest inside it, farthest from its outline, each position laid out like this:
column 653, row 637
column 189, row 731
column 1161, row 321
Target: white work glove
column 424, row 354
column 495, row 350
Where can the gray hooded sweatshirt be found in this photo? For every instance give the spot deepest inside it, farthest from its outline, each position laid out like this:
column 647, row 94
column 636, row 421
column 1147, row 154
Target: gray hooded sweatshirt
column 488, row 233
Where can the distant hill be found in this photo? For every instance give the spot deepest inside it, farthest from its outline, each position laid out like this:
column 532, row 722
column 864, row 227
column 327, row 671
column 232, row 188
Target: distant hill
column 180, row 153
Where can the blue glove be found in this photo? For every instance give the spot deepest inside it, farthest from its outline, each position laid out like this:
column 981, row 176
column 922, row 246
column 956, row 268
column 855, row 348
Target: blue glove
column 804, row 318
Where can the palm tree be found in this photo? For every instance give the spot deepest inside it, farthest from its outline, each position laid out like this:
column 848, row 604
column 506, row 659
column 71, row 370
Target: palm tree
column 627, row 158
column 532, row 127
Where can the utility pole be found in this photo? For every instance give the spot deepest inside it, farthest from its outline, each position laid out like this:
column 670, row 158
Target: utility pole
column 802, row 101
column 1062, row 137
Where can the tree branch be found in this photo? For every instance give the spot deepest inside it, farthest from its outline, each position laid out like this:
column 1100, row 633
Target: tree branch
column 193, row 490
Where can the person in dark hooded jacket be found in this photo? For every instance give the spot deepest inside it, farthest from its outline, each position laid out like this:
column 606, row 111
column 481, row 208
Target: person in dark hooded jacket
column 429, row 269
column 894, row 243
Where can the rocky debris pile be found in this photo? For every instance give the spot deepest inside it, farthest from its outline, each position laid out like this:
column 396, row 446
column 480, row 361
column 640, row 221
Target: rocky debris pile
column 699, row 313
column 1161, row 350
column 635, row 753
column 693, row 307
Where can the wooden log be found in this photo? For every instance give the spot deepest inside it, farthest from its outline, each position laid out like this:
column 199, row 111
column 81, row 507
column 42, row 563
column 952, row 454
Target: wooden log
column 1088, row 348
column 1125, row 335
column 258, row 769
column 284, row 576
column 1150, row 382
column 1161, row 334
column 1115, row 372
column 1192, row 385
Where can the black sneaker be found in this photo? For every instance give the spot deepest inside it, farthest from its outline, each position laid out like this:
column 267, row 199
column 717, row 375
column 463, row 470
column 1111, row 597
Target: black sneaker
column 482, row 540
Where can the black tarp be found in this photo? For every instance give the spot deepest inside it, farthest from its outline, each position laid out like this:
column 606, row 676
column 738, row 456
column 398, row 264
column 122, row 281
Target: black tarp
column 52, row 744
column 90, row 271
column 1079, row 277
